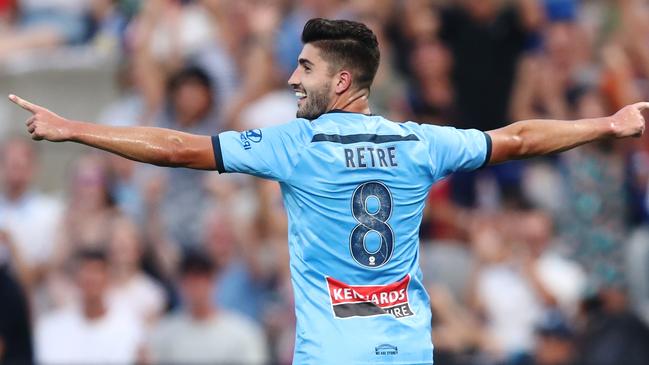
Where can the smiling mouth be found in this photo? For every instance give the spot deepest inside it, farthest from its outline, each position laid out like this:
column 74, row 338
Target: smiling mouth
column 300, row 96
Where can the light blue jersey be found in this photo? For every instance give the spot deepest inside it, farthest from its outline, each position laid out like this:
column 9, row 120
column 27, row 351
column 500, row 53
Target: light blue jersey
column 354, row 188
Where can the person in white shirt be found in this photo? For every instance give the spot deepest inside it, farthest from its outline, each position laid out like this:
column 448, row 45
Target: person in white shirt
column 130, row 286
column 202, row 333
column 31, row 218
column 91, row 331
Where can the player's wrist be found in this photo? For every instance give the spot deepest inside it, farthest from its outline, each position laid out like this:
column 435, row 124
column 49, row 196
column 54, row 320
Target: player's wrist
column 71, row 131
column 608, row 127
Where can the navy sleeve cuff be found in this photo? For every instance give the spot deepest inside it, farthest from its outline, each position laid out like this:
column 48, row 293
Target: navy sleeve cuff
column 218, row 155
column 488, row 154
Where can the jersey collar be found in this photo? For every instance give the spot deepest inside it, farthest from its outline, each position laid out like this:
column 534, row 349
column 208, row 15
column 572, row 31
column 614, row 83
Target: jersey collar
column 346, row 112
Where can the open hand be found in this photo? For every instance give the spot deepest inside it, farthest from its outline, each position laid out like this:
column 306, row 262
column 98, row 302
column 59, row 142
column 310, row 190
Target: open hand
column 630, row 121
column 43, row 124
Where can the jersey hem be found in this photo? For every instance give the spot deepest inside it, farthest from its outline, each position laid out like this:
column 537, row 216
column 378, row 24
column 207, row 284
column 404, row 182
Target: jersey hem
column 488, row 153
column 218, row 154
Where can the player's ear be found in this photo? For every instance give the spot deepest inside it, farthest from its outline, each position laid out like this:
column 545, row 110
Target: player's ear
column 343, row 81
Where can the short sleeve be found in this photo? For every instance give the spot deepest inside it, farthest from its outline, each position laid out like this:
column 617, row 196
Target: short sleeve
column 452, row 150
column 270, row 153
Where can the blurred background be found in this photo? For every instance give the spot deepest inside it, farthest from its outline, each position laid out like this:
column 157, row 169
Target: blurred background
column 103, row 260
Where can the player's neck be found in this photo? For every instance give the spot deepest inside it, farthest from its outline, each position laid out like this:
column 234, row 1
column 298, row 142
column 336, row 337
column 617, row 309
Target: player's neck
column 353, row 102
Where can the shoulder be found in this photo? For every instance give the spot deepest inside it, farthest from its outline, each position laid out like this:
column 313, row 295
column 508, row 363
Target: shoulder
column 172, row 321
column 146, row 285
column 170, row 326
column 57, row 321
column 421, row 130
column 46, row 203
column 295, row 128
column 238, row 324
column 123, row 317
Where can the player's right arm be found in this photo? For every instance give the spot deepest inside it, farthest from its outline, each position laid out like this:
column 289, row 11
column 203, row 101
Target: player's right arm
column 158, row 146
column 531, row 138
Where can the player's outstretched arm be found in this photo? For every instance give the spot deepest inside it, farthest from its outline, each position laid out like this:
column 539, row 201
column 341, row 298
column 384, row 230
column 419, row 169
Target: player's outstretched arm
column 158, row 146
column 531, row 138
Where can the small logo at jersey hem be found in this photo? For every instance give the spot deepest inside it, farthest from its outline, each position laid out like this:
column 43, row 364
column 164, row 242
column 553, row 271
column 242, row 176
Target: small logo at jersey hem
column 386, row 349
column 369, row 300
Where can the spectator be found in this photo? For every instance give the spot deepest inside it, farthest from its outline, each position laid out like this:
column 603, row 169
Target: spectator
column 262, row 99
column 502, row 292
column 30, row 217
column 561, row 282
column 203, row 333
column 431, row 99
column 456, row 330
column 46, row 24
column 596, row 232
column 240, row 286
column 638, row 264
column 124, row 184
column 555, row 342
column 7, row 13
column 130, row 286
column 131, row 108
column 15, row 325
column 496, row 35
column 91, row 331
column 612, row 336
column 89, row 207
column 190, row 108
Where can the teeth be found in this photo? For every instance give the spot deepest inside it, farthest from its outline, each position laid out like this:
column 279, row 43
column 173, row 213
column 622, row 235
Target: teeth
column 300, row 94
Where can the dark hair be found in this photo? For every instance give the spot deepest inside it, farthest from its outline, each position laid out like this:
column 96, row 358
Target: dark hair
column 91, row 254
column 188, row 74
column 197, row 262
column 347, row 44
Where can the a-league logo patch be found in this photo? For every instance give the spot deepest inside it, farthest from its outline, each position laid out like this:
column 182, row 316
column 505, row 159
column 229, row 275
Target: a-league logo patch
column 252, row 135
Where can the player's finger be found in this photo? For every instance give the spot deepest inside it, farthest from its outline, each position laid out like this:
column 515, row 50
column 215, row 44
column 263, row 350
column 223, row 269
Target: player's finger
column 642, row 105
column 31, row 128
column 29, row 121
column 23, row 103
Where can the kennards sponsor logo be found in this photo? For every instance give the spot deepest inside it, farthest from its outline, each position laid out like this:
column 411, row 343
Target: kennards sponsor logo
column 369, row 300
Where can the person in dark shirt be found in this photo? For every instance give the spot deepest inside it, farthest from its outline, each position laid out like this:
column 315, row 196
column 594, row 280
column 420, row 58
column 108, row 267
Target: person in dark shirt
column 486, row 40
column 612, row 335
column 15, row 327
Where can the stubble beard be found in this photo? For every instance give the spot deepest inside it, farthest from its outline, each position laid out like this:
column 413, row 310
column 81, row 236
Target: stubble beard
column 314, row 105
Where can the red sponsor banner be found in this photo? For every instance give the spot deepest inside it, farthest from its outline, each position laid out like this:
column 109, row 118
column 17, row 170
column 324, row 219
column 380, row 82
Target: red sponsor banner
column 369, row 300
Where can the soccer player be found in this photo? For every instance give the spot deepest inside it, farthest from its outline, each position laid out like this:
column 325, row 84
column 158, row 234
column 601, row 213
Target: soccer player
column 354, row 186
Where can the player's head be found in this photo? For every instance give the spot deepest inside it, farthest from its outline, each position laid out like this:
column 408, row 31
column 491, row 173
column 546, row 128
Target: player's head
column 339, row 57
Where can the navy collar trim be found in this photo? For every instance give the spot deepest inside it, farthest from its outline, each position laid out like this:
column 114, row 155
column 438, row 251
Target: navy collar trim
column 347, row 112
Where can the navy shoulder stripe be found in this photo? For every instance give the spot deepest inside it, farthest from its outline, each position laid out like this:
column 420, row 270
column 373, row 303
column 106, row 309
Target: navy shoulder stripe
column 355, row 138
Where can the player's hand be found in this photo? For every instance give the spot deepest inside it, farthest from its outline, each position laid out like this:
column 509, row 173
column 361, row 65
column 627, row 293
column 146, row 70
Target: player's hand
column 43, row 124
column 630, row 121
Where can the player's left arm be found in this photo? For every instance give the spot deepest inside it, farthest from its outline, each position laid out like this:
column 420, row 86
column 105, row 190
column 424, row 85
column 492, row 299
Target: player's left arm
column 158, row 146
column 531, row 138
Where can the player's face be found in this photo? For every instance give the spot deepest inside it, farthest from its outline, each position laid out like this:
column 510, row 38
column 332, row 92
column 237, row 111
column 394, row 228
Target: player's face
column 312, row 82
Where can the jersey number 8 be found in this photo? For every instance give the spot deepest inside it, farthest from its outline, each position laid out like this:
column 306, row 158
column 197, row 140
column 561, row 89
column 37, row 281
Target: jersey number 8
column 371, row 207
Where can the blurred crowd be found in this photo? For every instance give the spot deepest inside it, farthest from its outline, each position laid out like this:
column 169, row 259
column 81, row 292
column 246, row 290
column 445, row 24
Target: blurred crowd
column 540, row 262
